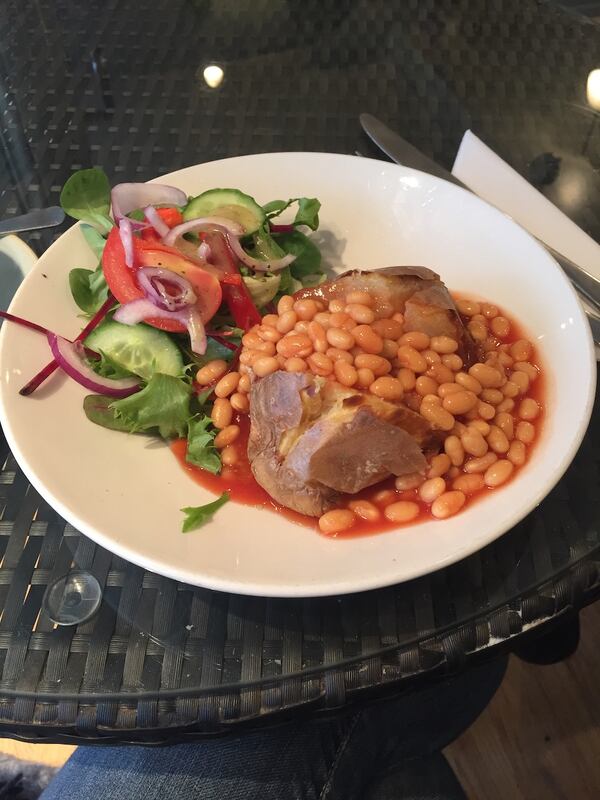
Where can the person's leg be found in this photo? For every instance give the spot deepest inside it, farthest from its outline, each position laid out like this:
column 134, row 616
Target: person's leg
column 317, row 759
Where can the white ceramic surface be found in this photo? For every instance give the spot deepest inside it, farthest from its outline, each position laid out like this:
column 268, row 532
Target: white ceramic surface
column 125, row 492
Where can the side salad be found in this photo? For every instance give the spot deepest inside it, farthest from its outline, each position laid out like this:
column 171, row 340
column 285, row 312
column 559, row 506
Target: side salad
column 178, row 282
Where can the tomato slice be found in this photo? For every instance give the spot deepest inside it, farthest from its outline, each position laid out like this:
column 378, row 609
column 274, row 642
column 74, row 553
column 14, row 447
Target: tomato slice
column 122, row 282
column 170, row 216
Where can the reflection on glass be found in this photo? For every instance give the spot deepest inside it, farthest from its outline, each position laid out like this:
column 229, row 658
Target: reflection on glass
column 213, row 75
column 593, row 89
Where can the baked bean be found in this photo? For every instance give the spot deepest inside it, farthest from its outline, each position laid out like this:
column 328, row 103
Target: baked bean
column 320, row 364
column 487, row 376
column 433, row 399
column 387, row 388
column 498, row 473
column 379, row 365
column 425, row 385
column 415, row 339
column 468, row 382
column 229, row 455
column 270, row 319
column 251, row 339
column 500, row 327
column 402, row 511
column 478, row 331
column 454, row 450
column 431, row 489
column 468, row 307
column 505, row 359
column 445, row 389
column 459, row 402
column 339, row 355
column 336, row 305
column 244, row 383
column 281, row 360
column 384, row 311
column 521, row 350
column 365, row 510
column 337, row 520
column 525, row 432
column 248, row 357
column 360, row 297
column 301, row 326
column 360, row 313
column 384, row 497
column 287, row 321
column 438, row 416
column 342, row 320
column 458, row 429
column 448, row 504
column 306, row 308
column 506, row 424
column 486, row 411
column 492, row 396
column 510, row 389
column 443, row 344
column 440, row 373
column 452, row 361
column 480, row 425
column 480, row 464
column 497, row 440
column 227, row 385
column 268, row 334
column 469, row 484
column 227, row 436
column 411, row 358
column 517, row 453
column 317, row 334
column 265, row 366
column 286, row 303
column 506, row 405
column 439, row 465
column 407, row 378
column 398, row 316
column 527, row 368
column 345, row 373
column 528, row 409
column 479, row 318
column 389, row 349
column 453, row 472
column 473, row 443
column 365, row 377
column 211, row 372
column 431, row 357
column 489, row 311
column 295, row 364
column 221, row 413
column 366, row 338
column 412, row 480
column 323, row 318
column 388, row 328
column 340, row 339
column 520, row 380
column 295, row 344
column 490, row 345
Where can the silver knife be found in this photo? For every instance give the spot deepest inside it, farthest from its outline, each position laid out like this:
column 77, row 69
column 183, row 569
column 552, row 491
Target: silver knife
column 403, row 152
column 39, row 218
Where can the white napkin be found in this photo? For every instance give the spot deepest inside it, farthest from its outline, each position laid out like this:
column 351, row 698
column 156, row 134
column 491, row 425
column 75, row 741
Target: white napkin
column 486, row 174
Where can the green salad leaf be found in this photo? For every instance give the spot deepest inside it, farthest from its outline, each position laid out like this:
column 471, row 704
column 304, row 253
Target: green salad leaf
column 88, row 288
column 97, row 408
column 94, row 238
column 307, row 213
column 86, row 196
column 201, row 449
column 195, row 516
column 308, row 255
column 163, row 404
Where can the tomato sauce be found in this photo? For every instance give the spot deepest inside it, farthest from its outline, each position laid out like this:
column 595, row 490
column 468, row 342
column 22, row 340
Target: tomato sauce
column 239, row 481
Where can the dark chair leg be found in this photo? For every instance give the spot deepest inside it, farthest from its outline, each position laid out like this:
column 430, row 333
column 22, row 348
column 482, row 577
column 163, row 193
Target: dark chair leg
column 553, row 643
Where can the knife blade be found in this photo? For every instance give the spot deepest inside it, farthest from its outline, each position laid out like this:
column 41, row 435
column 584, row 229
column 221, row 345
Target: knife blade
column 34, row 220
column 403, row 152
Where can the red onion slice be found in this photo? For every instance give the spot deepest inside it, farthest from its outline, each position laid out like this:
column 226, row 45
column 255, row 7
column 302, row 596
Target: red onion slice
column 144, row 309
column 154, row 218
column 221, row 224
column 126, row 234
column 69, row 356
column 126, row 197
column 155, row 281
column 256, row 263
column 203, row 251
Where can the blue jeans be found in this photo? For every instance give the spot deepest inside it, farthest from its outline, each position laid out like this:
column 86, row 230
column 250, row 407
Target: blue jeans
column 389, row 750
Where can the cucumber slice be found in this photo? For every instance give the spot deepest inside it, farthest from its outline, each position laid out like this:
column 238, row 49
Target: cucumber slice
column 229, row 203
column 138, row 348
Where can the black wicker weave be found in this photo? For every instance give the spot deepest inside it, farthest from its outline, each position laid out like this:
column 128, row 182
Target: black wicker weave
column 119, row 84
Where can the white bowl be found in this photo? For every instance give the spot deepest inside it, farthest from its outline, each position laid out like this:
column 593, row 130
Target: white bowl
column 125, row 493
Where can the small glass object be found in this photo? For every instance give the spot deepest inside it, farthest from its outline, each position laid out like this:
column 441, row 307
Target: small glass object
column 73, row 598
